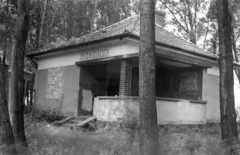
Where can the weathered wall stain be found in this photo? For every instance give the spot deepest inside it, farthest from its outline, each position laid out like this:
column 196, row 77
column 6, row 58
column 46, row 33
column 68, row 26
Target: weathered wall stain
column 54, row 83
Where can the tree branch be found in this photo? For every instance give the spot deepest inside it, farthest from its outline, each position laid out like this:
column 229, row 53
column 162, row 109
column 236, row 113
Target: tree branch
column 183, row 17
column 175, row 17
column 205, row 38
column 195, row 17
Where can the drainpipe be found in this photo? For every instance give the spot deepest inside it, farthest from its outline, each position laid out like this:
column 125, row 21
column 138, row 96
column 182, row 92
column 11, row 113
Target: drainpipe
column 33, row 62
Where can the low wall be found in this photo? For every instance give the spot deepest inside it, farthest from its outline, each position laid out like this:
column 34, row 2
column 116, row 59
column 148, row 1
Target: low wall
column 169, row 111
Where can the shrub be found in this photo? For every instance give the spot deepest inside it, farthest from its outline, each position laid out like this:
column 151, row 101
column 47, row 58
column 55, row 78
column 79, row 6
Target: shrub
column 47, row 114
column 27, row 109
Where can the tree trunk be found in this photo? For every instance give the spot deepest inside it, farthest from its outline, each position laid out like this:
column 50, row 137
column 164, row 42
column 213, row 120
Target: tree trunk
column 42, row 22
column 93, row 15
column 192, row 37
column 7, row 144
column 149, row 142
column 16, row 93
column 4, row 64
column 31, row 89
column 26, row 88
column 214, row 42
column 5, row 54
column 205, row 37
column 27, row 93
column 227, row 104
column 38, row 25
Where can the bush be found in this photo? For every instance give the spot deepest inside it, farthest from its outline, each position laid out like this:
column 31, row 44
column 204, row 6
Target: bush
column 47, row 114
column 27, row 109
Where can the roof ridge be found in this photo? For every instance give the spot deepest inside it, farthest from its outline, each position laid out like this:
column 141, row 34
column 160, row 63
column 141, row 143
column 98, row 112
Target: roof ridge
column 185, row 40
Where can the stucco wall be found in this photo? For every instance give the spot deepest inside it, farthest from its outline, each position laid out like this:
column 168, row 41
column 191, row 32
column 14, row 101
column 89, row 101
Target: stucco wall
column 168, row 111
column 69, row 101
column 211, row 93
column 180, row 112
column 116, row 109
column 213, row 105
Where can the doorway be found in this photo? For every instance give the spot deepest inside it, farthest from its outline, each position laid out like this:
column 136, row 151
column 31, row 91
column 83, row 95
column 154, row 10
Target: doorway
column 97, row 80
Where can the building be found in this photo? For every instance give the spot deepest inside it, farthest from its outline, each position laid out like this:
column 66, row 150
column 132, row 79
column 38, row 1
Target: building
column 98, row 74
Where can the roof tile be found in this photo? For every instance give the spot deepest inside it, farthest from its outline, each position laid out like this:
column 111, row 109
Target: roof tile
column 132, row 25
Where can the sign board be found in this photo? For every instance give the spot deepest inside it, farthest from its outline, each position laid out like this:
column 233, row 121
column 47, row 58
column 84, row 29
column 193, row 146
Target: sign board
column 89, row 55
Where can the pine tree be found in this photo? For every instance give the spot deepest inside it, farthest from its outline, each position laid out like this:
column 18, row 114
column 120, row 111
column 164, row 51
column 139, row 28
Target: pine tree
column 147, row 95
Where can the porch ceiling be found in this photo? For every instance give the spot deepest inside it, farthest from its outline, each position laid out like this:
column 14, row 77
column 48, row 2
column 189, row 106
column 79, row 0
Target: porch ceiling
column 160, row 62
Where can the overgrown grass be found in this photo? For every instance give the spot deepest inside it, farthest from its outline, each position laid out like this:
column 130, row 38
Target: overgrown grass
column 45, row 139
column 191, row 143
column 44, row 114
column 49, row 140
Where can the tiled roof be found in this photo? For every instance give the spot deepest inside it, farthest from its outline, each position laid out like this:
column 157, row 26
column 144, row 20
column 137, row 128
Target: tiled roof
column 132, row 25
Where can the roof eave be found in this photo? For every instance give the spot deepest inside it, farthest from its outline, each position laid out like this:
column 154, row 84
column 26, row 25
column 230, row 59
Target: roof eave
column 177, row 48
column 58, row 49
column 115, row 37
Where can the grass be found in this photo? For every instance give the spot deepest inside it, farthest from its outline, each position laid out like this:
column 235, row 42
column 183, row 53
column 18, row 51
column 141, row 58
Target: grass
column 45, row 139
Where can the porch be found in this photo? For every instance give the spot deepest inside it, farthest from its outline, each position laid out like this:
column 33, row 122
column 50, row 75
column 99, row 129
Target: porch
column 109, row 91
column 108, row 86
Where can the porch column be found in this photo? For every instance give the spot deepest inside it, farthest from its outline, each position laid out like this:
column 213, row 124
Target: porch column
column 125, row 78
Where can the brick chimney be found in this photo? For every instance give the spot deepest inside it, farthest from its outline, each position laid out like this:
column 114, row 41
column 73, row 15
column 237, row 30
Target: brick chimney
column 160, row 18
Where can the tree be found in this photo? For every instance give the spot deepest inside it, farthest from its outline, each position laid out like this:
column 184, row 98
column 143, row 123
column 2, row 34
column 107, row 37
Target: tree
column 213, row 28
column 234, row 7
column 6, row 18
column 186, row 17
column 112, row 11
column 212, row 16
column 147, row 94
column 227, row 104
column 16, row 85
column 7, row 144
column 42, row 22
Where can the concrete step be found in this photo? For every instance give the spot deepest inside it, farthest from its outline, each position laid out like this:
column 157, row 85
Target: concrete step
column 68, row 125
column 77, row 123
column 74, row 121
column 81, row 118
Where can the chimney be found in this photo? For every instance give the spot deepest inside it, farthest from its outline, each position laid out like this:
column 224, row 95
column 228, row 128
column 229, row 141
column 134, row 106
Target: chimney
column 160, row 18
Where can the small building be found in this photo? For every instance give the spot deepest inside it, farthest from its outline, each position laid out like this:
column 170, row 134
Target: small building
column 98, row 75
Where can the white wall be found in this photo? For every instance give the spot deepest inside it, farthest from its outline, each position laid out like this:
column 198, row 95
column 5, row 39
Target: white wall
column 214, row 70
column 70, row 57
column 168, row 112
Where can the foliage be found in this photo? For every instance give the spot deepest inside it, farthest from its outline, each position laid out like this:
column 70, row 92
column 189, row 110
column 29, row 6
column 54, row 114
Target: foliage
column 47, row 114
column 187, row 17
column 27, row 109
column 7, row 18
column 66, row 19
